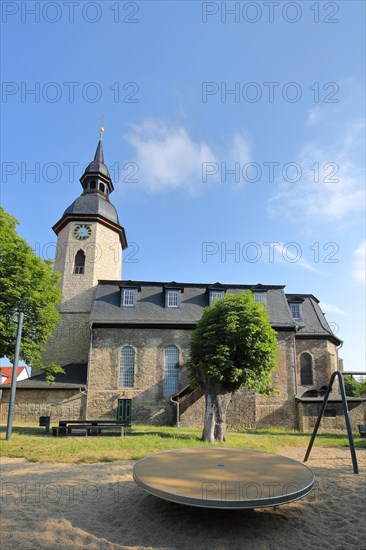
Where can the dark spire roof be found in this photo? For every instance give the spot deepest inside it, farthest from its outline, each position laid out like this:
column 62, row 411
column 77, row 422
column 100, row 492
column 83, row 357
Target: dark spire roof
column 97, row 165
column 99, row 155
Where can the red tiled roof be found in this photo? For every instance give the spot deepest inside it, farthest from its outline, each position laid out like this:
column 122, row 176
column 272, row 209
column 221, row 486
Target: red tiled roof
column 8, row 373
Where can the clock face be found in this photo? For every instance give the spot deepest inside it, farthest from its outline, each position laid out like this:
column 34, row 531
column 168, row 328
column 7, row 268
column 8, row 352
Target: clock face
column 82, row 232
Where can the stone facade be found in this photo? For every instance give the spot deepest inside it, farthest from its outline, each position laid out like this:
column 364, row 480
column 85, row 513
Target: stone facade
column 103, row 260
column 57, row 403
column 149, row 404
column 333, row 420
column 71, row 340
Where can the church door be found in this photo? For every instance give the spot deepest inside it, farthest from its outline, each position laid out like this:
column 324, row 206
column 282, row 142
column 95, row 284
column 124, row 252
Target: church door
column 124, row 410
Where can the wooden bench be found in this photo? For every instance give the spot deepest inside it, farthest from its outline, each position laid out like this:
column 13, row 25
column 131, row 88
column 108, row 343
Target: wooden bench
column 90, row 427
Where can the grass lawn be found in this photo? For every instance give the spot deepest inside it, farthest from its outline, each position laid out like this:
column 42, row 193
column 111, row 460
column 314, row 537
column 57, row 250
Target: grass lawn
column 31, row 443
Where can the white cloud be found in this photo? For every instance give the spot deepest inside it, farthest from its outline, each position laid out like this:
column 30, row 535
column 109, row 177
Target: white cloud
column 331, row 186
column 330, row 308
column 168, row 158
column 359, row 261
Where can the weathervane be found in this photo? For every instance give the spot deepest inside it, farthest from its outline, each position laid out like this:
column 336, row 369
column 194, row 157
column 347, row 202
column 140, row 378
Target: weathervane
column 101, row 129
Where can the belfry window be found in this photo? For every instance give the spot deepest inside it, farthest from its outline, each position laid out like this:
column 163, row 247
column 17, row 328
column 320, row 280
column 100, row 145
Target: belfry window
column 102, row 187
column 79, row 265
column 93, row 184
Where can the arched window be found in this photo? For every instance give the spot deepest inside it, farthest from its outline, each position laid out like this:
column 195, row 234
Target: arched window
column 171, row 358
column 127, row 368
column 79, row 265
column 306, row 369
column 93, row 184
column 102, row 187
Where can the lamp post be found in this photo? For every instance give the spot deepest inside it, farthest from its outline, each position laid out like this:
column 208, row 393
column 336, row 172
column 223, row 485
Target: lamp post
column 14, row 377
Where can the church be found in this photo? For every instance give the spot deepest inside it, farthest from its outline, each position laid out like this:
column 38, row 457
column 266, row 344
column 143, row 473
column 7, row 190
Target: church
column 120, row 341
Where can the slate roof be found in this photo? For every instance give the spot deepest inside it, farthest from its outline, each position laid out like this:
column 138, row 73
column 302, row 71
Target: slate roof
column 74, row 378
column 93, row 203
column 98, row 165
column 150, row 307
column 313, row 323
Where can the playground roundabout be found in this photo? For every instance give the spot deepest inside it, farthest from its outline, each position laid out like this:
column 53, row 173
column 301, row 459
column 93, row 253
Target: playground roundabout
column 226, row 478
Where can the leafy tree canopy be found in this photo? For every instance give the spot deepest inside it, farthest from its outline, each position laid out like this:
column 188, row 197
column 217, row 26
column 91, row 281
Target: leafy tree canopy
column 353, row 387
column 235, row 345
column 27, row 284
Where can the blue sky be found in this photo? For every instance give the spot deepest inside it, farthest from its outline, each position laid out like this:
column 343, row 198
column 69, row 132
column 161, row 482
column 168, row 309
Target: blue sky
column 235, row 140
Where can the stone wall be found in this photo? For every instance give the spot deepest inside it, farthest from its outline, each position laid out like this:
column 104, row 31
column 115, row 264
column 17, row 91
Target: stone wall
column 70, row 341
column 103, row 260
column 149, row 404
column 324, row 359
column 308, row 414
column 31, row 404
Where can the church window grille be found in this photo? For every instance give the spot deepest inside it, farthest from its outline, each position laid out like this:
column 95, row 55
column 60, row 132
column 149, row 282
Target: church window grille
column 127, row 370
column 171, row 358
column 306, row 369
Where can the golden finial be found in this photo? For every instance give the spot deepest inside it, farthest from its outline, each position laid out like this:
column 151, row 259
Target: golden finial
column 101, row 129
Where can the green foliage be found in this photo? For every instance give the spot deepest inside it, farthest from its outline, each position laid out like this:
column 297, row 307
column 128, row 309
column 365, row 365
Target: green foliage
column 28, row 284
column 353, row 387
column 31, row 443
column 234, row 345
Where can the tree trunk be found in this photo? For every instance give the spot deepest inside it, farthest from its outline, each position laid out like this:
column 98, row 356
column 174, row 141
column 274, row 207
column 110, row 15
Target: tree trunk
column 222, row 402
column 217, row 400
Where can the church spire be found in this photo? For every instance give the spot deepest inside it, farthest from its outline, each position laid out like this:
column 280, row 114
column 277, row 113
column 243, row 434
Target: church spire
column 96, row 177
column 99, row 155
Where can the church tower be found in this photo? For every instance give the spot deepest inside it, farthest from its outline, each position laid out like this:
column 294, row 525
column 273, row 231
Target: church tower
column 90, row 241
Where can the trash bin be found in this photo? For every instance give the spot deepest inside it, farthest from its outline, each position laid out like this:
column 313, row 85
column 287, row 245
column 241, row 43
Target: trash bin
column 45, row 421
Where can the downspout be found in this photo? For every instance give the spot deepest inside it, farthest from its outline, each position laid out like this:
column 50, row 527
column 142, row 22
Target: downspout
column 295, row 379
column 176, row 403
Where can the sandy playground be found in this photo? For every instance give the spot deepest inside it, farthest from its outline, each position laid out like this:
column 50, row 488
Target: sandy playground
column 99, row 507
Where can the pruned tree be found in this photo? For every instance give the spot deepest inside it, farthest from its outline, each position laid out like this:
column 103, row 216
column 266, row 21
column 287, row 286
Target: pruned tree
column 27, row 284
column 233, row 345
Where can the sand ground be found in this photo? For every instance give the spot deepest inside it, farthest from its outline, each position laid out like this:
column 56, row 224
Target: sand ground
column 99, row 507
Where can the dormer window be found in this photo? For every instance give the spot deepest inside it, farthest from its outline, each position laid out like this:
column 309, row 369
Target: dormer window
column 128, row 297
column 295, row 309
column 259, row 297
column 172, row 298
column 216, row 295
